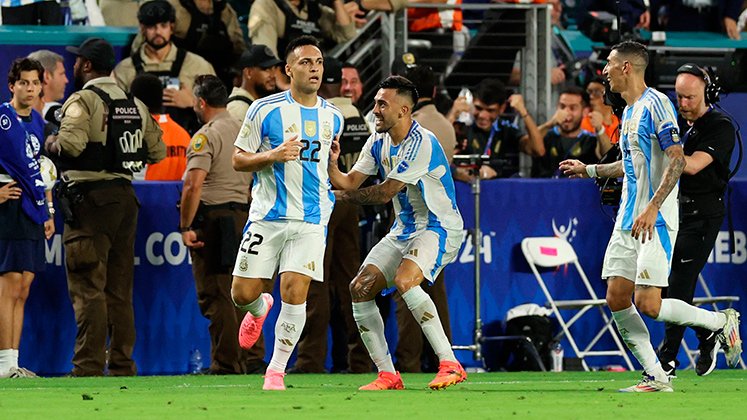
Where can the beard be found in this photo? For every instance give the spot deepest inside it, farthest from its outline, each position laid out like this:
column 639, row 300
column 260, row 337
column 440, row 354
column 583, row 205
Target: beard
column 262, row 90
column 79, row 81
column 151, row 43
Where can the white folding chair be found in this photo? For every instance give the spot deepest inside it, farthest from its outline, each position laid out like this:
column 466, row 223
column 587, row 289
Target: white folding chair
column 552, row 252
column 708, row 299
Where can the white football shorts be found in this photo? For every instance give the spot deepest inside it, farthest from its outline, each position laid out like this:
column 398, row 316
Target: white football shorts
column 296, row 245
column 645, row 264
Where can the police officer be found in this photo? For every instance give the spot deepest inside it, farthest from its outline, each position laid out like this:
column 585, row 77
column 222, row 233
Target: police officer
column 258, row 65
column 210, row 29
column 708, row 144
column 176, row 67
column 212, row 215
column 98, row 121
column 329, row 302
column 276, row 22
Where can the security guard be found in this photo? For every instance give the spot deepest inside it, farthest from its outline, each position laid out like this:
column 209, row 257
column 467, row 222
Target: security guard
column 214, row 208
column 708, row 145
column 101, row 209
column 176, row 67
column 257, row 66
column 329, row 302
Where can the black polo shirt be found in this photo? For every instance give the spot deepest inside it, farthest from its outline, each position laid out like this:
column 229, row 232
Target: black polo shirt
column 559, row 148
column 501, row 144
column 713, row 133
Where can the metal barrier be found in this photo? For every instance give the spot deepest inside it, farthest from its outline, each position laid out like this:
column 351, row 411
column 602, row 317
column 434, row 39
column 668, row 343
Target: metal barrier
column 497, row 32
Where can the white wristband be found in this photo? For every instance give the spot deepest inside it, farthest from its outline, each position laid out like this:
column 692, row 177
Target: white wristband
column 591, row 170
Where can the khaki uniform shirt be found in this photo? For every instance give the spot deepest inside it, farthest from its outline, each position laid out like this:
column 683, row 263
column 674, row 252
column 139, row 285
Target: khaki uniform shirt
column 193, row 66
column 184, row 19
column 267, row 24
column 238, row 108
column 429, row 117
column 211, row 150
column 84, row 120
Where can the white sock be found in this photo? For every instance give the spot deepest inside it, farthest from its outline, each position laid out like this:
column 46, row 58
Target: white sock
column 256, row 308
column 14, row 359
column 371, row 328
column 635, row 335
column 424, row 310
column 6, row 355
column 288, row 330
column 678, row 312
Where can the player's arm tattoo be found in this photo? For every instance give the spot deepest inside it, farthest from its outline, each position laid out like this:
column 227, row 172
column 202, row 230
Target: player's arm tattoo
column 610, row 170
column 671, row 174
column 376, row 194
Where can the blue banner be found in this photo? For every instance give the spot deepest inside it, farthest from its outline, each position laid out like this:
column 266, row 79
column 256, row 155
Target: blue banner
column 169, row 324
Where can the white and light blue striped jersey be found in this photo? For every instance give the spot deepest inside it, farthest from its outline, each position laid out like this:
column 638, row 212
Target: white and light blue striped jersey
column 429, row 201
column 648, row 128
column 298, row 189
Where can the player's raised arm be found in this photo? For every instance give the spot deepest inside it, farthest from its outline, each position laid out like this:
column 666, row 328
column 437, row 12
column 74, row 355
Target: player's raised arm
column 376, row 194
column 340, row 180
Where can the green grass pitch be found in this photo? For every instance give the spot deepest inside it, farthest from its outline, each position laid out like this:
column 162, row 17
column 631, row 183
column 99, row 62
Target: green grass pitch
column 567, row 395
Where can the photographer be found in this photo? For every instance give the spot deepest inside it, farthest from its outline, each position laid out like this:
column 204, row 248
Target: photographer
column 709, row 141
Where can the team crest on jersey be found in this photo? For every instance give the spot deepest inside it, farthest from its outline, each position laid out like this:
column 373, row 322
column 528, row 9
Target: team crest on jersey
column 244, row 131
column 309, row 128
column 402, row 167
column 199, row 142
column 326, row 131
column 243, row 264
column 5, row 122
column 675, row 135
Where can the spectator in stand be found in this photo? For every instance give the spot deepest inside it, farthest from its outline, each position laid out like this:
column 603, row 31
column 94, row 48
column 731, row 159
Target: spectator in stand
column 34, row 12
column 491, row 135
column 147, row 88
column 601, row 120
column 258, row 66
column 634, row 12
column 176, row 67
column 563, row 138
column 719, row 16
column 352, row 86
column 275, row 23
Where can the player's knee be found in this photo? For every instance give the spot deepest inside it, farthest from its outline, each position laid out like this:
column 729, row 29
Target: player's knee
column 648, row 305
column 360, row 287
column 617, row 301
column 242, row 291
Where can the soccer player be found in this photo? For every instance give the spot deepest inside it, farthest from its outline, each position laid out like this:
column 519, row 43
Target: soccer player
column 639, row 255
column 285, row 140
column 426, row 234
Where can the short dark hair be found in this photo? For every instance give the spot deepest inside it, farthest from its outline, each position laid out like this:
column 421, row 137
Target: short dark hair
column 632, row 49
column 24, row 64
column 491, row 91
column 148, row 88
column 576, row 90
column 300, row 42
column 210, row 88
column 402, row 85
column 423, row 78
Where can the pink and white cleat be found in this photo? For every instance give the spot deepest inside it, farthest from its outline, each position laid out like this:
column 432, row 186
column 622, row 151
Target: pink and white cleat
column 251, row 326
column 274, row 380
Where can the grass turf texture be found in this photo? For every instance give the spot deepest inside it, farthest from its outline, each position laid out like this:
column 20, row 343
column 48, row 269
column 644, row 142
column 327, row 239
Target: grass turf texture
column 488, row 395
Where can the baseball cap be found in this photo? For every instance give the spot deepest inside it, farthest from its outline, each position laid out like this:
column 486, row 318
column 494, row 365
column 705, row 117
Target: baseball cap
column 155, row 12
column 403, row 63
column 96, row 50
column 332, row 70
column 258, row 56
